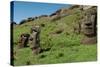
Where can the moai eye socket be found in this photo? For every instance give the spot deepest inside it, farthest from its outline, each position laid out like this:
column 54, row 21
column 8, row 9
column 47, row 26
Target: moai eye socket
column 88, row 24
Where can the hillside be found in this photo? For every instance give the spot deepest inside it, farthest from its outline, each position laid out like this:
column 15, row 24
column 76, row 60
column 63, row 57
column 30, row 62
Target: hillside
column 64, row 46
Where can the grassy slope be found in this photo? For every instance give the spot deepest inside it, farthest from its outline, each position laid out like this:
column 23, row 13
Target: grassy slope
column 65, row 47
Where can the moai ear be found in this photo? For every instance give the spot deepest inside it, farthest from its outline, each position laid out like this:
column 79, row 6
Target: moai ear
column 93, row 18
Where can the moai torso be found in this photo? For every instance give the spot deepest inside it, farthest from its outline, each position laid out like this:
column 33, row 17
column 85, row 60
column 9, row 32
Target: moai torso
column 34, row 39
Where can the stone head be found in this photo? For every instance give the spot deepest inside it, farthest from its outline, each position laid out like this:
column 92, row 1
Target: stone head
column 89, row 25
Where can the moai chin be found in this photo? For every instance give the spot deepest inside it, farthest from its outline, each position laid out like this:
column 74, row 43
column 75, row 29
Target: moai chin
column 89, row 29
column 35, row 40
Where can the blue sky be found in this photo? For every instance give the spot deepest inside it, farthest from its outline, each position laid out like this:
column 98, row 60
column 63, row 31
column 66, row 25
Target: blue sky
column 23, row 10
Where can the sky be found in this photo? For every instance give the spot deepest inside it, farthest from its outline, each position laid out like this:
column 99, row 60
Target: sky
column 23, row 10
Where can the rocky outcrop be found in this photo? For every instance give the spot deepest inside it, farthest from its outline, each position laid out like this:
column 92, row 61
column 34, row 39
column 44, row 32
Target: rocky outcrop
column 74, row 6
column 58, row 14
column 43, row 16
column 85, row 7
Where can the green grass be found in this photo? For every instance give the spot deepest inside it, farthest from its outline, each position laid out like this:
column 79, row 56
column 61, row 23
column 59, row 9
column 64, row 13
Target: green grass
column 58, row 55
column 65, row 47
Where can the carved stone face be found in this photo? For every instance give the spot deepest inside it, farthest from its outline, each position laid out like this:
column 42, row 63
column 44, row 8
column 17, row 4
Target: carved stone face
column 89, row 25
column 35, row 29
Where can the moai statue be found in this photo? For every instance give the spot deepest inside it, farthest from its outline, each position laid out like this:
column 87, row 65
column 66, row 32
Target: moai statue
column 23, row 40
column 35, row 40
column 89, row 28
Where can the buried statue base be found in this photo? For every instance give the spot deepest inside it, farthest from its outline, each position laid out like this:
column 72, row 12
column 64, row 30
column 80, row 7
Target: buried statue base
column 89, row 40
